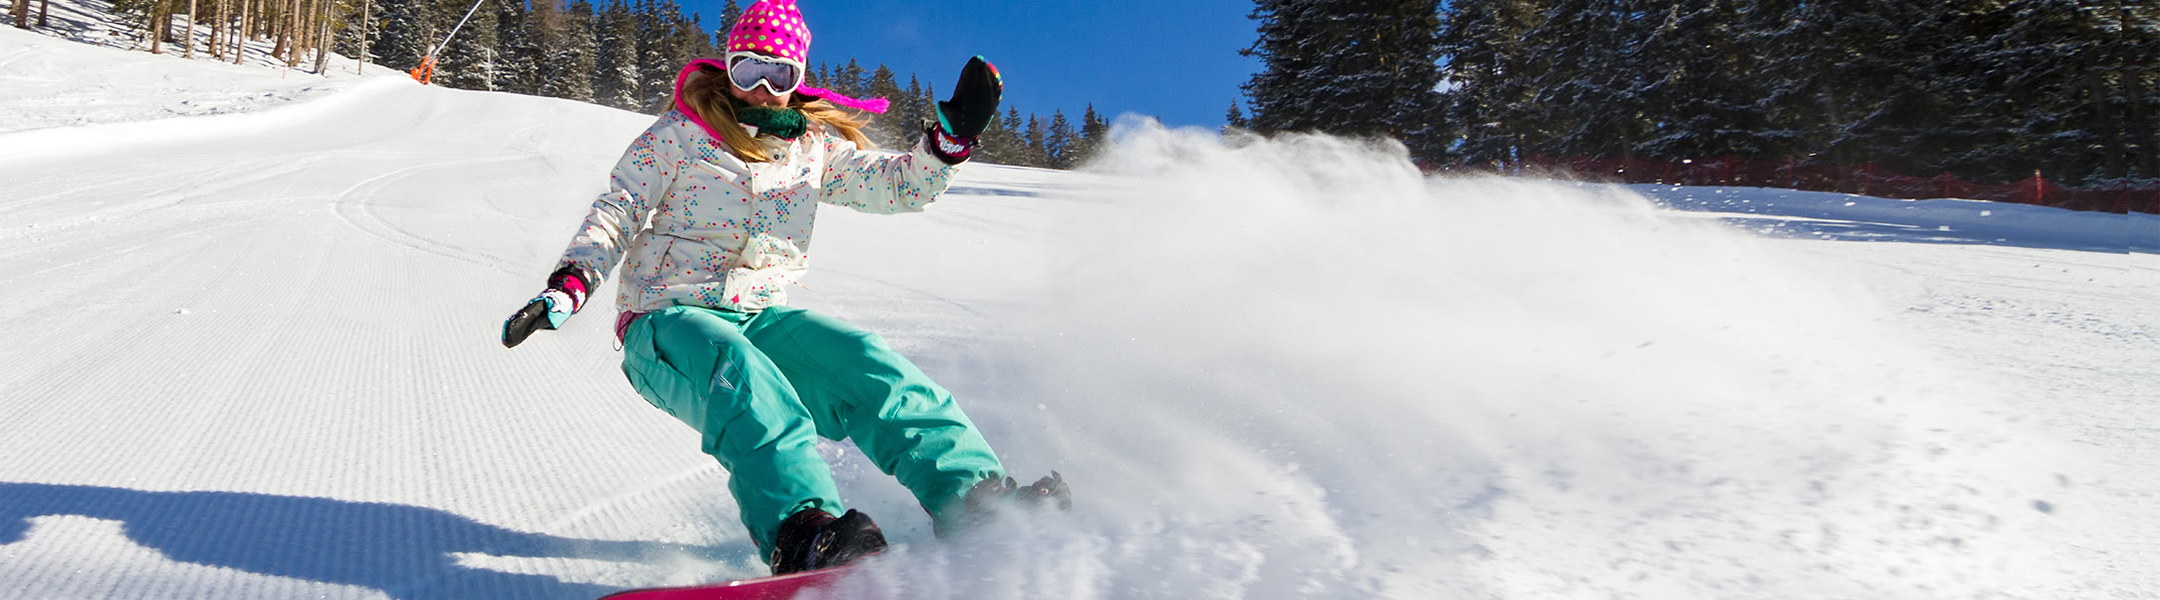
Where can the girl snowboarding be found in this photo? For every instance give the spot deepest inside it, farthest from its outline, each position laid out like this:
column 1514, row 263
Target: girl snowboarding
column 710, row 214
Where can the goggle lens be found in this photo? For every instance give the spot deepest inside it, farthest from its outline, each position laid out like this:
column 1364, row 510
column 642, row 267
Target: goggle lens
column 747, row 72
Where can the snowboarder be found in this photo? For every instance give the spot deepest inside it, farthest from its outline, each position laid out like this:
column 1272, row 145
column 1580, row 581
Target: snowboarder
column 710, row 214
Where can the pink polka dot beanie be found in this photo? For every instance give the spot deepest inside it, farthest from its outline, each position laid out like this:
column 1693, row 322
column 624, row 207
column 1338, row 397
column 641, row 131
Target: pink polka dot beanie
column 775, row 28
column 772, row 28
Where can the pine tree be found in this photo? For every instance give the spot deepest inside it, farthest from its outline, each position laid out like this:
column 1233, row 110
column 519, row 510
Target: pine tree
column 1585, row 101
column 1235, row 119
column 1004, row 141
column 471, row 61
column 2062, row 95
column 1061, row 143
column 1491, row 66
column 1349, row 67
column 1702, row 99
column 657, row 64
column 884, row 130
column 1094, row 134
column 728, row 15
column 615, row 74
column 567, row 47
column 2136, row 28
column 909, row 111
column 520, row 50
column 1035, row 143
column 852, row 81
column 403, row 33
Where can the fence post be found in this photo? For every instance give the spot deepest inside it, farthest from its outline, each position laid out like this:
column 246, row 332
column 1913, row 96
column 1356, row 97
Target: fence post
column 2039, row 189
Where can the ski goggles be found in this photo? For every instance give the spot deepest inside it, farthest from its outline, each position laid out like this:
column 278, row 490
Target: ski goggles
column 779, row 76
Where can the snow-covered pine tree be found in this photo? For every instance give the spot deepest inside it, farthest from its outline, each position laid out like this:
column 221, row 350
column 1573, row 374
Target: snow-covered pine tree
column 2063, row 91
column 568, row 71
column 692, row 42
column 1349, row 67
column 656, row 60
column 519, row 49
column 471, row 61
column 615, row 72
column 728, row 15
column 1701, row 95
column 1584, row 95
column 1841, row 74
column 1945, row 109
column 402, row 32
column 355, row 16
column 2137, row 29
column 1491, row 104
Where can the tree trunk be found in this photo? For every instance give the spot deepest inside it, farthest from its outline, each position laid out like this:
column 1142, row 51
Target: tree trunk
column 189, row 39
column 21, row 12
column 217, row 31
column 244, row 27
column 323, row 40
column 366, row 6
column 44, row 12
column 292, row 33
column 158, row 22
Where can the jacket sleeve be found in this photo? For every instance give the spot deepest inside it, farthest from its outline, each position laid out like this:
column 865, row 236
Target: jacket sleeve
column 640, row 180
column 883, row 182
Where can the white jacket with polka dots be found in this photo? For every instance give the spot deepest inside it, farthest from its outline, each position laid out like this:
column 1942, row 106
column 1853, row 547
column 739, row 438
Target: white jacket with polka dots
column 691, row 224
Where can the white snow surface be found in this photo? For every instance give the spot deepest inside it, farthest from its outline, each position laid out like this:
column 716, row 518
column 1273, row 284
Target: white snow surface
column 255, row 355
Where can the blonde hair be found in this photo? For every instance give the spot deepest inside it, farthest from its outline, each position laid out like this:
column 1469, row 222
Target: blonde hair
column 705, row 91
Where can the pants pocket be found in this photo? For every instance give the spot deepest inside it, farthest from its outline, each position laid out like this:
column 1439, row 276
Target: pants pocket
column 658, row 382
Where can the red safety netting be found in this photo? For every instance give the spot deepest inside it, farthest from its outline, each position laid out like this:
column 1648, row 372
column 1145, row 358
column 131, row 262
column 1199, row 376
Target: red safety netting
column 1851, row 179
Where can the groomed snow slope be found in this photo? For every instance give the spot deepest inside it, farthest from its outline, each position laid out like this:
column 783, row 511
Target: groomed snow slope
column 255, row 355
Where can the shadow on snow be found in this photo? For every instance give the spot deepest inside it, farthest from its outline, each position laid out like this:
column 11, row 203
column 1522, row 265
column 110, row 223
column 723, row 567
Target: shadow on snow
column 405, row 551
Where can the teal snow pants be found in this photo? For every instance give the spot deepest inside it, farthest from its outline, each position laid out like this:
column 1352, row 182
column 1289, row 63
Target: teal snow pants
column 758, row 386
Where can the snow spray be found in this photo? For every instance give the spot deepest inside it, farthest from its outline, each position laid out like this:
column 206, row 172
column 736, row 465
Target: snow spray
column 1299, row 368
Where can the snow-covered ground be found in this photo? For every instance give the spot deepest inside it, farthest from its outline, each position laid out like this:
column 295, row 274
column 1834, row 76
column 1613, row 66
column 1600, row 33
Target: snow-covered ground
column 254, row 355
column 110, row 77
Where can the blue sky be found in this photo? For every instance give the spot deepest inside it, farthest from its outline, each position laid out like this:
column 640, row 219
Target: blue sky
column 1174, row 59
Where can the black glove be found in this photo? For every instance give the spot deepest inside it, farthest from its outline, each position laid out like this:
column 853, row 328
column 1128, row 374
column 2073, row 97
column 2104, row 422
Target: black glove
column 564, row 295
column 964, row 117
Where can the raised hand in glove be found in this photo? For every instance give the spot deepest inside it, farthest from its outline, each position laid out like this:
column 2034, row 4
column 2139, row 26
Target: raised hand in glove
column 564, row 295
column 961, row 119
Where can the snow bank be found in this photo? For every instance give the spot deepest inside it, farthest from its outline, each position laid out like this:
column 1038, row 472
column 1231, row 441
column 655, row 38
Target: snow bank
column 1834, row 216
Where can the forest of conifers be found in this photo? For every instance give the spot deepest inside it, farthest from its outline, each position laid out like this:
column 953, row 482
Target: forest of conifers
column 1988, row 90
column 623, row 54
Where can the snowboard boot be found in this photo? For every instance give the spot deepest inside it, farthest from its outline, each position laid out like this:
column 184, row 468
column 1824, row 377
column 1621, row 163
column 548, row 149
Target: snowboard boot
column 990, row 497
column 814, row 539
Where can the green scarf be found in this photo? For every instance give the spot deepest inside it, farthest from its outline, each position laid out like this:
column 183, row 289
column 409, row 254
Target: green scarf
column 780, row 122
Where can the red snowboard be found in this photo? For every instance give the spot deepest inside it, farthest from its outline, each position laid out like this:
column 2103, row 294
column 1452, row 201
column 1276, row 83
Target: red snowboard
column 780, row 587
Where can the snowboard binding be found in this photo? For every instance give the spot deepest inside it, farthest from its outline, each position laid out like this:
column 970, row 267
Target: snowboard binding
column 992, row 497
